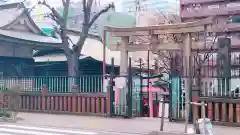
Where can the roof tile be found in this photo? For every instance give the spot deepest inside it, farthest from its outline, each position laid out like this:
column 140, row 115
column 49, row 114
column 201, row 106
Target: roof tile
column 9, row 15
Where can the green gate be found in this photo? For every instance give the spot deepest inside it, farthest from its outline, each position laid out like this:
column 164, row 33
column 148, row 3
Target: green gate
column 177, row 87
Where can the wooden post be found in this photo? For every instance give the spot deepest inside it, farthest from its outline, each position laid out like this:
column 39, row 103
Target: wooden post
column 223, row 112
column 162, row 114
column 210, row 110
column 216, row 112
column 108, row 100
column 195, row 95
column 150, row 100
column 238, row 112
column 44, row 91
column 231, row 112
column 74, row 97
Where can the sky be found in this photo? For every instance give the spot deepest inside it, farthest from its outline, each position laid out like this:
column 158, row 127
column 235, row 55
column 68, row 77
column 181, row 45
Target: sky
column 102, row 2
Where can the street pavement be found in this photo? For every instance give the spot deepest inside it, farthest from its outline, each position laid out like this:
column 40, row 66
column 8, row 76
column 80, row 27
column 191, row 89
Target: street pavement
column 23, row 129
column 107, row 126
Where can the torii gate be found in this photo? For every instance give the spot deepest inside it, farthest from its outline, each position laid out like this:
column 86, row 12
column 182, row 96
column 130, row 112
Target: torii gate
column 153, row 33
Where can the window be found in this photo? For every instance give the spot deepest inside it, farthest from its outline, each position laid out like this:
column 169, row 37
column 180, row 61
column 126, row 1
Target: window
column 213, row 7
column 233, row 5
column 196, row 6
column 95, row 26
column 1, row 75
column 74, row 20
column 193, row 7
column 234, row 19
column 210, row 87
column 238, row 35
column 205, row 88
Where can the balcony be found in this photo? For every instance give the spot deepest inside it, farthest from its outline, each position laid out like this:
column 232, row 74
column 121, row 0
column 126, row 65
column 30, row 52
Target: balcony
column 230, row 27
column 235, row 43
column 186, row 2
column 205, row 10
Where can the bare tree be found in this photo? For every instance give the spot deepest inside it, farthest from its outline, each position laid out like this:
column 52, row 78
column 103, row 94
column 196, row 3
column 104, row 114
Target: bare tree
column 165, row 57
column 164, row 61
column 73, row 53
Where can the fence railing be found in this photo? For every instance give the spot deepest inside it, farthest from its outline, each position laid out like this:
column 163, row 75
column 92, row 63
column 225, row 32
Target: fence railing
column 221, row 111
column 66, row 103
column 216, row 87
column 223, row 99
column 54, row 83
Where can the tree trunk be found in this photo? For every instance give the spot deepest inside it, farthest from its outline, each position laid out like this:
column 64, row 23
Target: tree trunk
column 72, row 60
column 73, row 64
column 73, row 68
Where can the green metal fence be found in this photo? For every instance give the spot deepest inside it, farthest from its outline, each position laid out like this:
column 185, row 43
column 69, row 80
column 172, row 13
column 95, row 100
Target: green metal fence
column 54, row 83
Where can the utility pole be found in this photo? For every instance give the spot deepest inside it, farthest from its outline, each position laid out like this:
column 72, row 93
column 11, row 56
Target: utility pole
column 139, row 8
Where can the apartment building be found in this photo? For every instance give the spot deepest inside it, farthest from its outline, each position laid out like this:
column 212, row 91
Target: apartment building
column 226, row 24
column 162, row 6
column 227, row 16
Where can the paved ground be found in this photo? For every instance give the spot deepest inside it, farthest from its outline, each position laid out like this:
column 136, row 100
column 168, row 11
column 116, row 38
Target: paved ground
column 108, row 126
column 24, row 129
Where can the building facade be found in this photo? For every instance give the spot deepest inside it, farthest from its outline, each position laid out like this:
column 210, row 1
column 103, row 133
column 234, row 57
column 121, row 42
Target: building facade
column 226, row 24
column 162, row 6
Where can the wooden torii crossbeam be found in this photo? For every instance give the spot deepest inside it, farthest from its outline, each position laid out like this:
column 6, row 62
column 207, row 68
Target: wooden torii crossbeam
column 152, row 32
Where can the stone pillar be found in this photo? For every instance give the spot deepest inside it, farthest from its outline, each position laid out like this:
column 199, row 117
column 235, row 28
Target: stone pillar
column 123, row 72
column 187, row 72
column 124, row 56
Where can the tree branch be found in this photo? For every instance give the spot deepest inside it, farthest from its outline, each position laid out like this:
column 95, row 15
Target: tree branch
column 59, row 18
column 165, row 60
column 87, row 23
column 84, row 4
column 95, row 17
column 89, row 8
column 64, row 3
column 65, row 12
column 53, row 17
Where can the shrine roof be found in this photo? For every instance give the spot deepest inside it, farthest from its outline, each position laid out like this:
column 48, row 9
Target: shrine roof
column 9, row 15
column 29, row 36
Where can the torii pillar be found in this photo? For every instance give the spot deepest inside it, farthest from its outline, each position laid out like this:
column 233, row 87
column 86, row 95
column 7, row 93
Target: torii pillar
column 187, row 46
column 123, row 72
column 124, row 56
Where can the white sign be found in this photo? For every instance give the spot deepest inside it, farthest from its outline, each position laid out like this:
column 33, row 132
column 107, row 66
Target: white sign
column 120, row 82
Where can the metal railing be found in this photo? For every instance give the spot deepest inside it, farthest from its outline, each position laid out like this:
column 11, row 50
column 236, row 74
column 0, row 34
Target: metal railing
column 216, row 86
column 53, row 83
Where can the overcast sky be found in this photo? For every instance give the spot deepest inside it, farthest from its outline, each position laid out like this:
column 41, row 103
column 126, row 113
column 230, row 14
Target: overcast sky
column 102, row 2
